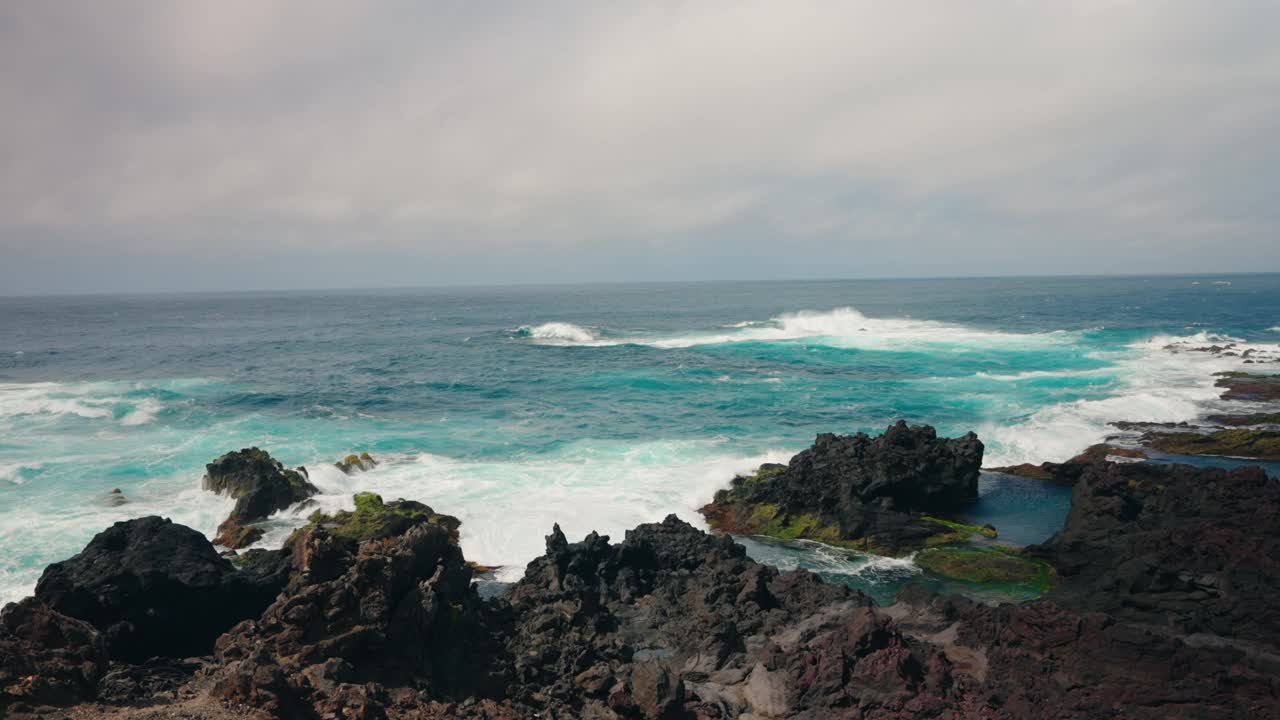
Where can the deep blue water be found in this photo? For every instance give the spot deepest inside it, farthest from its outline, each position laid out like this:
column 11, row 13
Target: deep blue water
column 597, row 407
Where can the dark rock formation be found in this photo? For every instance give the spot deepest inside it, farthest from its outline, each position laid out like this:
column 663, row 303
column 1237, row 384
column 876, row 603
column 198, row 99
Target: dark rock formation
column 1193, row 549
column 47, row 658
column 261, row 486
column 356, row 463
column 153, row 587
column 673, row 623
column 357, row 619
column 857, row 491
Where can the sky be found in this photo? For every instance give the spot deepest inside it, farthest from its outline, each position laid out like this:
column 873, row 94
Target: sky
column 256, row 144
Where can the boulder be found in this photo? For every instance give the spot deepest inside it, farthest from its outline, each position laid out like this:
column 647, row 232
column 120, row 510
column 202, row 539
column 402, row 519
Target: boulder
column 858, row 492
column 260, row 484
column 156, row 588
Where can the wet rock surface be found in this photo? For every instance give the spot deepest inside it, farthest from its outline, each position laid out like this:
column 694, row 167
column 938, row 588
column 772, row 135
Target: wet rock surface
column 857, row 491
column 260, row 484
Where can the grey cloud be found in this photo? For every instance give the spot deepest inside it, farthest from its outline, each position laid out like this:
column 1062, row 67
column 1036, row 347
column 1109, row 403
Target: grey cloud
column 985, row 135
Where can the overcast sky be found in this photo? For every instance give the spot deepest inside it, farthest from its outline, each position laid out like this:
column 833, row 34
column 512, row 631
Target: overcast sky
column 254, row 143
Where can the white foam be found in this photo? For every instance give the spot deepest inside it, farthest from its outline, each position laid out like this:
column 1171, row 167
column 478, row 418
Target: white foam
column 1035, row 374
column 841, row 327
column 1274, row 329
column 1161, row 379
column 64, row 533
column 508, row 507
column 144, row 413
column 560, row 333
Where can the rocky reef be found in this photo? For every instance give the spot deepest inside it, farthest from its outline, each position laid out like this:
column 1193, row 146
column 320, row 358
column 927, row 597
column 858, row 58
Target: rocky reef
column 1160, row 603
column 260, row 484
column 858, row 492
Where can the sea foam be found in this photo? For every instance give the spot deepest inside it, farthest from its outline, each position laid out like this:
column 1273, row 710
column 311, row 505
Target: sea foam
column 1163, row 378
column 841, row 327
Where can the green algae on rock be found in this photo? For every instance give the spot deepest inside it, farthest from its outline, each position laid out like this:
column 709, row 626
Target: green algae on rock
column 1236, row 442
column 997, row 566
column 859, row 493
column 374, row 519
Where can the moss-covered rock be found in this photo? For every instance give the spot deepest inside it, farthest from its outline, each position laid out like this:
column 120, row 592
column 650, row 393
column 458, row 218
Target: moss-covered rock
column 857, row 492
column 1236, row 442
column 354, row 463
column 374, row 519
column 996, row 566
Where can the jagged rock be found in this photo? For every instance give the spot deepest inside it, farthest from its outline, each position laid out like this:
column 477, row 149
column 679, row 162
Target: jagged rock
column 356, row 463
column 261, row 486
column 46, row 657
column 674, row 617
column 156, row 588
column 857, row 491
column 357, row 618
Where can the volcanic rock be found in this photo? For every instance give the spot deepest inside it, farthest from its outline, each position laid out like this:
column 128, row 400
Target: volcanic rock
column 153, row 587
column 856, row 491
column 261, row 486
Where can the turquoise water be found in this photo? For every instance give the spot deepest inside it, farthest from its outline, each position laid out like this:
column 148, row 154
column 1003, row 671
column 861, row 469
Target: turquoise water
column 598, row 407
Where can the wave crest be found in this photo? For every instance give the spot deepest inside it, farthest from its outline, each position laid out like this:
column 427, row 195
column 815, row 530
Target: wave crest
column 563, row 332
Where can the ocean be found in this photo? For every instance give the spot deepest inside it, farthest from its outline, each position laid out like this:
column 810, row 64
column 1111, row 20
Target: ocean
column 597, row 407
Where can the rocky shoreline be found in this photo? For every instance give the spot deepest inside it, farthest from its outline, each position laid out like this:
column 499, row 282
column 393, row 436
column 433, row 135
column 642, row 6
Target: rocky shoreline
column 1155, row 600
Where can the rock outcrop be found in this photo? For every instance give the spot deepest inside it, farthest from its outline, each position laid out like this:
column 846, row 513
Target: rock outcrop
column 153, row 587
column 857, row 491
column 360, row 623
column 354, row 463
column 1193, row 549
column 1249, row 386
column 673, row 623
column 374, row 519
column 260, row 484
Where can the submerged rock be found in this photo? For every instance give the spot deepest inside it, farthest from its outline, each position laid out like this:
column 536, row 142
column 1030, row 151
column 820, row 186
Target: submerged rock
column 1067, row 473
column 261, row 486
column 857, row 492
column 356, row 463
column 153, row 587
column 1249, row 386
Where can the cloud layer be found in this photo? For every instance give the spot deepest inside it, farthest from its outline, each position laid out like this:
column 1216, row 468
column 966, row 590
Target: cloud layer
column 412, row 142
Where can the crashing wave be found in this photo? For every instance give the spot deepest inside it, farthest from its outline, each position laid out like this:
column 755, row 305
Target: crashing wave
column 563, row 332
